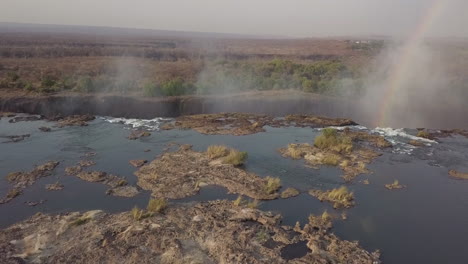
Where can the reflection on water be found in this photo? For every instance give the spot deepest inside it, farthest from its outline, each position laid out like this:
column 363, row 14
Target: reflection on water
column 424, row 223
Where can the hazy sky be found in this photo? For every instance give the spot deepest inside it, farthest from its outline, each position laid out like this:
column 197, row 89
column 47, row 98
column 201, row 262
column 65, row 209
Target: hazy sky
column 302, row 18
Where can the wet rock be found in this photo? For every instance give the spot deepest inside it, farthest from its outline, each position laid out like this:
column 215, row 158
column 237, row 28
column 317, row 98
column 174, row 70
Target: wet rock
column 394, row 185
column 224, row 234
column 458, row 175
column 178, row 174
column 10, row 195
column 32, row 204
column 89, row 154
column 20, row 180
column 147, row 150
column 351, row 163
column 136, row 134
column 45, row 129
column 24, row 119
column 124, row 191
column 137, row 163
column 23, row 179
column 116, row 183
column 416, row 143
column 54, row 187
column 245, row 124
column 289, row 192
column 75, row 120
column 86, row 163
column 93, row 176
column 73, row 170
column 318, row 121
column 340, row 197
column 15, row 138
column 374, row 140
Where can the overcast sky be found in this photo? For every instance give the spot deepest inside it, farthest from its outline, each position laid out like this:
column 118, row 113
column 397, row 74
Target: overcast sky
column 299, row 18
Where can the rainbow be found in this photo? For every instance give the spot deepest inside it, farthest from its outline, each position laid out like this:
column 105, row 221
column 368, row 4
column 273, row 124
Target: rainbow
column 398, row 73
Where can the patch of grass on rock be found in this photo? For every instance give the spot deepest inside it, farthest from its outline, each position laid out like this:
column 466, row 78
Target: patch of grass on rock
column 235, row 157
column 217, row 151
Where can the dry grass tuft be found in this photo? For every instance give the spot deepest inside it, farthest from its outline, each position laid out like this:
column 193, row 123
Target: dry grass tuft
column 235, row 157
column 272, row 184
column 156, row 205
column 217, row 151
column 239, row 201
column 341, row 194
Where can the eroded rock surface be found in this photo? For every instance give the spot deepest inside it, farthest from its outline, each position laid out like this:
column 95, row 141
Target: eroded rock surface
column 239, row 124
column 23, row 179
column 20, row 180
column 86, row 163
column 73, row 170
column 180, row 174
column 136, row 134
column 15, row 138
column 116, row 183
column 352, row 163
column 24, row 119
column 54, row 187
column 137, row 163
column 212, row 232
column 74, row 120
column 339, row 198
column 289, row 192
column 45, row 129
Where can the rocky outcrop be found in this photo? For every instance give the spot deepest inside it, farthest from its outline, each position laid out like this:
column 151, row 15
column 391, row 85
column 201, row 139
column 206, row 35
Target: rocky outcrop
column 239, row 124
column 180, row 174
column 20, row 180
column 212, row 232
column 119, row 186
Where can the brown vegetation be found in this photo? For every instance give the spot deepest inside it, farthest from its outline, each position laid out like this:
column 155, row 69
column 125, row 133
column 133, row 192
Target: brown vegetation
column 340, row 149
column 180, row 174
column 340, row 197
column 211, row 232
column 245, row 124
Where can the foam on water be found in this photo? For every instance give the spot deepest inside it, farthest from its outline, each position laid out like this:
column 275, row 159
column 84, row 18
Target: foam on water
column 399, row 132
column 148, row 124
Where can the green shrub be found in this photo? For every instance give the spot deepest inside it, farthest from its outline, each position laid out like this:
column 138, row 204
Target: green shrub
column 176, row 87
column 29, row 87
column 152, row 90
column 85, row 85
column 331, row 140
column 13, row 76
column 48, row 82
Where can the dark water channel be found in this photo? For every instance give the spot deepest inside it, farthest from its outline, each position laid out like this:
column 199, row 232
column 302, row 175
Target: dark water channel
column 424, row 223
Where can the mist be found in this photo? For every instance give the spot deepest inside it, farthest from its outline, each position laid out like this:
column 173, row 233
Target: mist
column 413, row 88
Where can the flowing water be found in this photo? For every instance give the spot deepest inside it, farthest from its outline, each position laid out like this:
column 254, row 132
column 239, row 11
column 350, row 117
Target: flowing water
column 424, row 223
